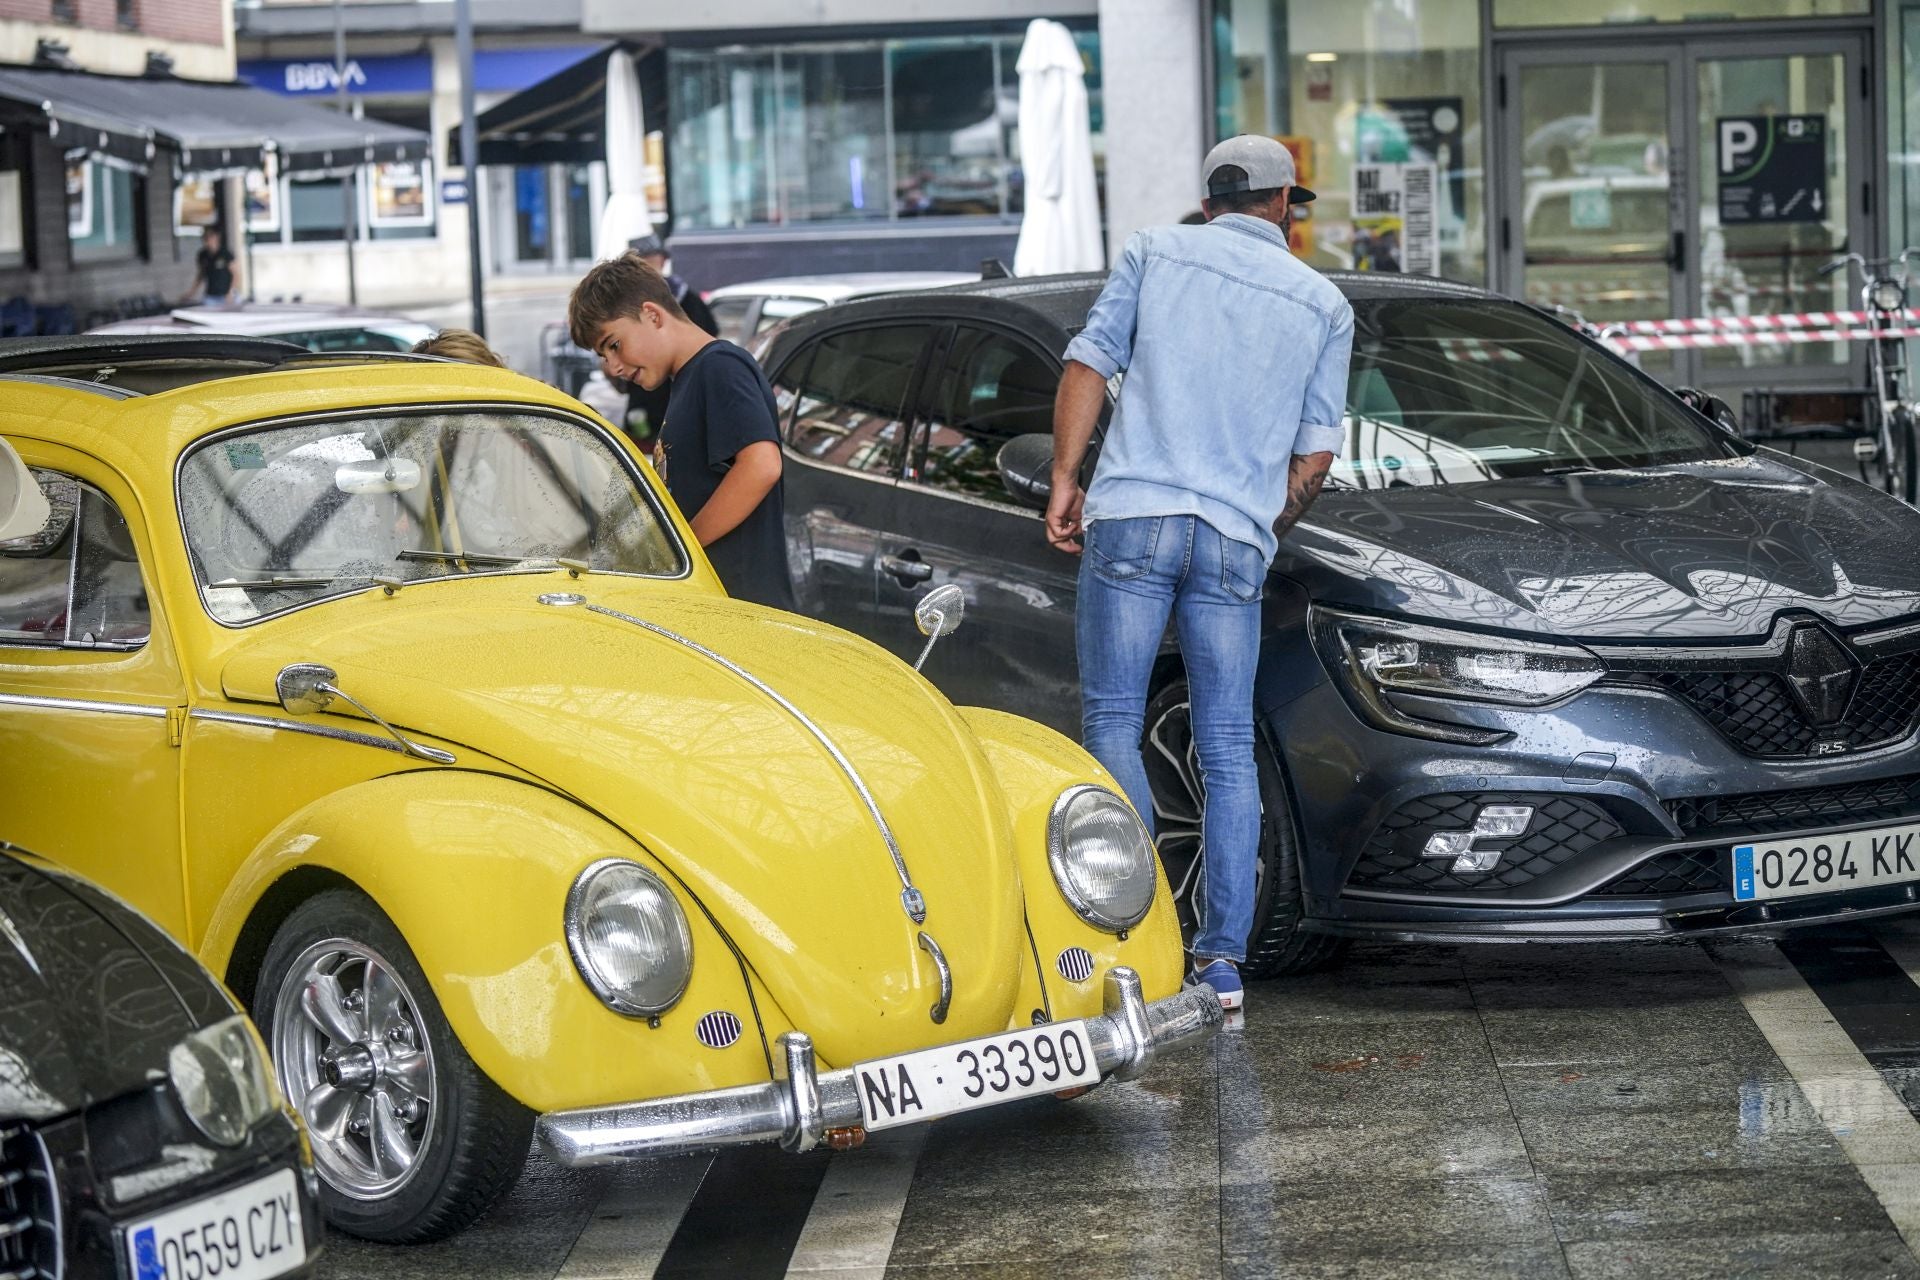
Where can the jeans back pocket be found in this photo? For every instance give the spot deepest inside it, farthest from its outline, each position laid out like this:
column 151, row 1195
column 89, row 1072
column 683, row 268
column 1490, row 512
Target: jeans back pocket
column 1243, row 570
column 1122, row 549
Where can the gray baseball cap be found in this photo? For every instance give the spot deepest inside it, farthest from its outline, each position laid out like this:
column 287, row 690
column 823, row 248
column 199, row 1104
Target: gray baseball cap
column 1263, row 163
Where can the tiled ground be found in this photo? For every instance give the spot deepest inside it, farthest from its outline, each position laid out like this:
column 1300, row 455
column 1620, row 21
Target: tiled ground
column 1421, row 1111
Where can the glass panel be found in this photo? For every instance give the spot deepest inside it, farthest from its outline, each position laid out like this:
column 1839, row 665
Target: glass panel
column 101, row 212
column 832, row 115
column 283, row 516
column 850, row 395
column 948, row 128
column 1595, row 220
column 36, row 571
column 1558, row 13
column 532, row 214
column 13, row 224
column 313, row 209
column 1384, row 92
column 991, row 389
column 580, row 212
column 1904, row 162
column 109, row 600
column 722, row 113
column 1453, row 392
column 1769, row 220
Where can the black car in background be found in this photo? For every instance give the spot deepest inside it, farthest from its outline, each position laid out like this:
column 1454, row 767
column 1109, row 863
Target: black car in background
column 1555, row 656
column 141, row 1133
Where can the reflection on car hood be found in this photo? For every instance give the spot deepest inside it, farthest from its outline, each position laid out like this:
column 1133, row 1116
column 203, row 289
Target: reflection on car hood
column 1708, row 549
column 712, row 775
column 85, row 1013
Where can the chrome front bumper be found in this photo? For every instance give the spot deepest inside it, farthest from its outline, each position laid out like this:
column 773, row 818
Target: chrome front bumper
column 797, row 1109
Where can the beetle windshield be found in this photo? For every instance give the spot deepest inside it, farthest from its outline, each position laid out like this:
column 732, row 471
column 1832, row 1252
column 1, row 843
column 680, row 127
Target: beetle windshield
column 1448, row 392
column 284, row 515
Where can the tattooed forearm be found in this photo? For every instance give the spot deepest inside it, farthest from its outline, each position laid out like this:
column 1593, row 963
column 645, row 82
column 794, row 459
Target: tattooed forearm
column 1305, row 476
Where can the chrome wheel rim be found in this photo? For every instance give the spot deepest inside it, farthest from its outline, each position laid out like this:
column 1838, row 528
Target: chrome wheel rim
column 352, row 1055
column 1179, row 802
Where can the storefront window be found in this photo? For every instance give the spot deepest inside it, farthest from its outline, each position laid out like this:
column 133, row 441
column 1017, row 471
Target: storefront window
column 1558, row 13
column 13, row 214
column 801, row 133
column 102, row 205
column 1904, row 108
column 1380, row 101
column 314, row 210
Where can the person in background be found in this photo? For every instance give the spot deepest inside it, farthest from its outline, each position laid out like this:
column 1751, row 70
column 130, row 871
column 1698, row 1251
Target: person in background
column 459, row 344
column 646, row 410
column 212, row 270
column 1226, row 426
column 719, row 446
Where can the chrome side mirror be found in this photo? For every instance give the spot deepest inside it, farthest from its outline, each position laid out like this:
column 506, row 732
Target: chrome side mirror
column 938, row 614
column 305, row 687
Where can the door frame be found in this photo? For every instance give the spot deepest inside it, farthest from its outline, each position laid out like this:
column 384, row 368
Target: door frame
column 1682, row 49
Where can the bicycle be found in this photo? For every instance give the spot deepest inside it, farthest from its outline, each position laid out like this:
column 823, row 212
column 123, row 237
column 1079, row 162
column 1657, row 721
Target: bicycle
column 1891, row 444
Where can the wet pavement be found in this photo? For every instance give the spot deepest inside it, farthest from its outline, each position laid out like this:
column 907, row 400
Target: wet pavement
column 1682, row 1109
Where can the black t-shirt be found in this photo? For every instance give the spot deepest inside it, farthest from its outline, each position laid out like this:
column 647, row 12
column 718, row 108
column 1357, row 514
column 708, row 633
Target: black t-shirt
column 216, row 268
column 722, row 403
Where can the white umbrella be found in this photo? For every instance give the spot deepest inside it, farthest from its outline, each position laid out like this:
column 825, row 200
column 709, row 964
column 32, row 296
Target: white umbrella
column 626, row 216
column 1061, row 229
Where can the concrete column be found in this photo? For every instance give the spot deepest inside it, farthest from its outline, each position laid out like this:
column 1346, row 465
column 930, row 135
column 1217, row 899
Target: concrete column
column 1152, row 73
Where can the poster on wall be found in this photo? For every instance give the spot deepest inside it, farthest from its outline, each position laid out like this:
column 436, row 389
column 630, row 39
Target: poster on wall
column 1300, row 238
column 1771, row 168
column 400, row 194
column 1393, row 218
column 79, row 200
column 196, row 206
column 263, row 198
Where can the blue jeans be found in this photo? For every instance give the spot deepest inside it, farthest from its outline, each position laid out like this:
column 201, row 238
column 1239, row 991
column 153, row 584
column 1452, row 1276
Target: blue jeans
column 1134, row 575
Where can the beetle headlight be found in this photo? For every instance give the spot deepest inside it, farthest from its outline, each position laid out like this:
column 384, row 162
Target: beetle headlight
column 221, row 1077
column 1102, row 857
column 629, row 938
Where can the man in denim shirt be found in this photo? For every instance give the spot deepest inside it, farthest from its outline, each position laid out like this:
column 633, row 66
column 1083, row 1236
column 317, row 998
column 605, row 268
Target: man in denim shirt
column 1231, row 411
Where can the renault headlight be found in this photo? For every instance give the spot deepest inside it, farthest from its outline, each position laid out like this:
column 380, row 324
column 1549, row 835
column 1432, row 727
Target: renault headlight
column 1376, row 656
column 1102, row 857
column 629, row 938
column 221, row 1077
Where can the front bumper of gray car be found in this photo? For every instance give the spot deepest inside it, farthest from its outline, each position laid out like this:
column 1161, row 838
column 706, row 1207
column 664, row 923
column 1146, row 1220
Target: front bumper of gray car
column 804, row 1104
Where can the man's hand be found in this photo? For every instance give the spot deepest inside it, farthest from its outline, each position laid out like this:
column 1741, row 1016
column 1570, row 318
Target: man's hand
column 1305, row 476
column 1063, row 516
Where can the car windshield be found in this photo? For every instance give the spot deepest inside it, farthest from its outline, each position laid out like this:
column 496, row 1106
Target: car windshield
column 1452, row 391
column 281, row 516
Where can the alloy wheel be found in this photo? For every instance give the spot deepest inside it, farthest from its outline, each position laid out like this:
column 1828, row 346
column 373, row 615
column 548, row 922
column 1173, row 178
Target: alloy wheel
column 1179, row 800
column 351, row 1053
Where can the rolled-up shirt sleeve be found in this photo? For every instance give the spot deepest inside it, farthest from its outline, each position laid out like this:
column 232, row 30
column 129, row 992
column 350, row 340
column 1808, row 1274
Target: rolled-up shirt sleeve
column 1323, row 415
column 1106, row 344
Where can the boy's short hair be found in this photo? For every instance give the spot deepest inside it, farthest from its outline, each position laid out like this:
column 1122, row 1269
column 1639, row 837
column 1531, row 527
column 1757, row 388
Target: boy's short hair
column 615, row 288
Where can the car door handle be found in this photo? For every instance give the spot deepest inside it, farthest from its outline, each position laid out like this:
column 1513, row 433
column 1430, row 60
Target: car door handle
column 908, row 570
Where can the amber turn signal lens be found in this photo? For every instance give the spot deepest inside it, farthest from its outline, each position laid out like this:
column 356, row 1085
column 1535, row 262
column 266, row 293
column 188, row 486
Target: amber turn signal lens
column 846, row 1139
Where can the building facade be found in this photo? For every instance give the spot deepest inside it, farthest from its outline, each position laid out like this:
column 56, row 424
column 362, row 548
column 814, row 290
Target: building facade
column 80, row 233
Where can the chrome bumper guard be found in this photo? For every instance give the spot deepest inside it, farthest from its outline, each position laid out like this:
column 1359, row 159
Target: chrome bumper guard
column 797, row 1109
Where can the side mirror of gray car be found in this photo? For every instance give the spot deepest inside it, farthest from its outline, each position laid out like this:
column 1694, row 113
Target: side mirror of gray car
column 1710, row 407
column 1026, row 468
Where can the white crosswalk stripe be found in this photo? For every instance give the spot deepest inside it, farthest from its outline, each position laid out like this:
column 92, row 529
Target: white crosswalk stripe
column 857, row 1211
column 636, row 1217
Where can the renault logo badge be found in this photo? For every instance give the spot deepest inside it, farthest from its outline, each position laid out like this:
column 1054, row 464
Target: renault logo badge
column 1821, row 672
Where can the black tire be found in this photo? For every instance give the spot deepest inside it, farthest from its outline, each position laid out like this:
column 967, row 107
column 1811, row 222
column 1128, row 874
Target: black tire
column 472, row 1139
column 1278, row 945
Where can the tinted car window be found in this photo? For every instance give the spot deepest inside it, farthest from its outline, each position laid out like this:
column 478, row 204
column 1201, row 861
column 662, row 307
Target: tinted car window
column 343, row 340
column 731, row 315
column 849, row 396
column 989, row 389
column 1444, row 392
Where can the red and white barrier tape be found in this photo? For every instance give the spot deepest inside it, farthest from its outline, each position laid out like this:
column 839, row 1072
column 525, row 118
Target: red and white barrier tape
column 1765, row 323
column 1683, row 341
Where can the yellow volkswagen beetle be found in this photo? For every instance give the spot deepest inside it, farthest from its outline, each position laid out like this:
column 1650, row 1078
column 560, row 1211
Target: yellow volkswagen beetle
column 399, row 692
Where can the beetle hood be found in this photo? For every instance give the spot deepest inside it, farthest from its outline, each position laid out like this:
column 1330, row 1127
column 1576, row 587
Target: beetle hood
column 739, row 746
column 1699, row 550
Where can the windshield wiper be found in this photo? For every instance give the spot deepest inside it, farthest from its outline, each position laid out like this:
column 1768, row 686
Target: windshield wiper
column 274, row 582
column 458, row 557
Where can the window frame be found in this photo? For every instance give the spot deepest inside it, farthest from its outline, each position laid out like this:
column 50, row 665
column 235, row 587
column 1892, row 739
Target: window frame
column 910, row 405
column 917, row 438
column 85, row 490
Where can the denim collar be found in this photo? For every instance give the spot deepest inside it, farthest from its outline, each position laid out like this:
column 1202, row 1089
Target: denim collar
column 1247, row 224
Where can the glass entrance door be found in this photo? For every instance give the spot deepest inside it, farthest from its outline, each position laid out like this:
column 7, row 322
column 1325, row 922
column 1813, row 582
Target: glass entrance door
column 1682, row 179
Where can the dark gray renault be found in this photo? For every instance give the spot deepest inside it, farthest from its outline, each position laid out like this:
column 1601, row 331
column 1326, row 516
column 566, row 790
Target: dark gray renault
column 1555, row 656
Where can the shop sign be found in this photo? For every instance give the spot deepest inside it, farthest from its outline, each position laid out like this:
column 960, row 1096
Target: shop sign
column 80, row 200
column 302, row 77
column 1300, row 239
column 399, row 195
column 1771, row 168
column 1393, row 218
column 196, row 206
column 263, row 197
column 453, row 191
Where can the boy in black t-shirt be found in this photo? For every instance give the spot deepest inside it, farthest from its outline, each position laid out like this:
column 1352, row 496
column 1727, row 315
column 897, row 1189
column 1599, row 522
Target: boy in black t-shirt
column 719, row 450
